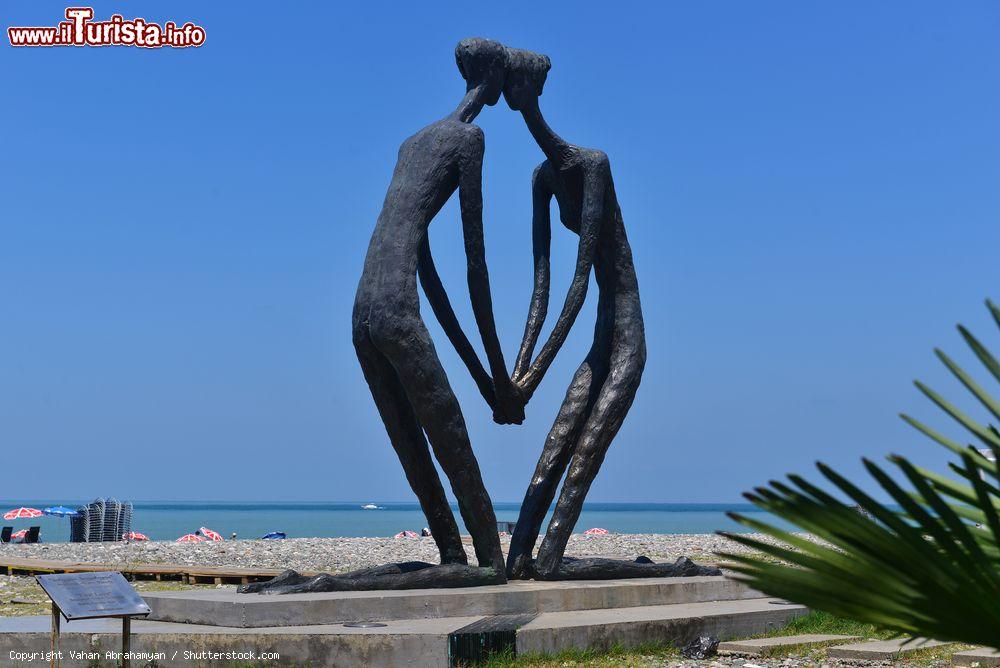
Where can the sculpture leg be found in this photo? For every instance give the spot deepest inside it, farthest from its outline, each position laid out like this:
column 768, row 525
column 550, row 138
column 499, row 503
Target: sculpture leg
column 563, row 436
column 416, row 362
column 287, row 578
column 413, row 358
column 609, row 569
column 405, row 575
column 611, row 405
column 407, row 438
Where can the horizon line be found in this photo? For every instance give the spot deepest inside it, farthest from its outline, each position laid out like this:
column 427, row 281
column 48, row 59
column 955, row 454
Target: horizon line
column 350, row 501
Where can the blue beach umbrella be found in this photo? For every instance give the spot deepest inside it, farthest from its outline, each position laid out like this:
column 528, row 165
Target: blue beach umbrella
column 60, row 511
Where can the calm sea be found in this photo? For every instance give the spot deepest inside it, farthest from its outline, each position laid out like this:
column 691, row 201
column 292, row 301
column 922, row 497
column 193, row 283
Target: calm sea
column 167, row 520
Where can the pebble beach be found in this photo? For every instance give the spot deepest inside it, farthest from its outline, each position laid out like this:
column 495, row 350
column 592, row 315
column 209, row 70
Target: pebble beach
column 344, row 554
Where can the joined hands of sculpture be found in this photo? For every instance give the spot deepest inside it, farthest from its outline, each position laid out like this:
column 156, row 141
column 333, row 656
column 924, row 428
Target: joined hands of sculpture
column 406, row 378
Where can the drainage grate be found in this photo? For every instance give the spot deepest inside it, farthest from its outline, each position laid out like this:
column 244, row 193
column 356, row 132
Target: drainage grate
column 484, row 638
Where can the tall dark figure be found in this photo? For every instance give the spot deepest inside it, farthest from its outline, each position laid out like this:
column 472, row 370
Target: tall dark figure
column 397, row 355
column 604, row 386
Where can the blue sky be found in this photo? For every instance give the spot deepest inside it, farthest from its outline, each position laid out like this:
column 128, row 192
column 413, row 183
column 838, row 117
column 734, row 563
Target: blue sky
column 810, row 190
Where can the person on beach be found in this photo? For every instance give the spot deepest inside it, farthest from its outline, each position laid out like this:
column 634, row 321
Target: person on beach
column 395, row 349
column 604, row 386
column 398, row 357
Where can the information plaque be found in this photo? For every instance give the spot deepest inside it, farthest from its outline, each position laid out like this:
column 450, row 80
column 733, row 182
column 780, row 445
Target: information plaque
column 92, row 595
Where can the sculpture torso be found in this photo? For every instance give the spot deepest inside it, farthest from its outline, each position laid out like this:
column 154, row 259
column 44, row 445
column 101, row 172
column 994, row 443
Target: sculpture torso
column 426, row 175
column 613, row 267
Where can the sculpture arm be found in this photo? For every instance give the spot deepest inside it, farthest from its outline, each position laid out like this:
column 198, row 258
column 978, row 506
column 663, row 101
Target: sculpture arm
column 509, row 407
column 595, row 185
column 541, row 239
column 440, row 304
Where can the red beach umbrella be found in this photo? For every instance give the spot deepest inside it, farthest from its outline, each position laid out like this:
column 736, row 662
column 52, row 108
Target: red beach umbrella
column 22, row 513
column 191, row 538
column 19, row 534
column 134, row 535
column 596, row 531
column 210, row 535
column 407, row 534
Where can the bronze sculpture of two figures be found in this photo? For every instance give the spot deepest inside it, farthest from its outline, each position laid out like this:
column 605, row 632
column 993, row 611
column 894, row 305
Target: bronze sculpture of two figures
column 409, row 385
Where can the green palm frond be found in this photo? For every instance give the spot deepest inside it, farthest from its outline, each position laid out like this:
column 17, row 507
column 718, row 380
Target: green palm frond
column 929, row 565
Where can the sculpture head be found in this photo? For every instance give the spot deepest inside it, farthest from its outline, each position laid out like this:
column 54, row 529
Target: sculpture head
column 526, row 72
column 482, row 62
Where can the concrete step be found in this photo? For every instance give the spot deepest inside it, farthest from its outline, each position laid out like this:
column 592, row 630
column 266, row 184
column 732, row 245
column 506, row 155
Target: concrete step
column 422, row 643
column 412, row 642
column 224, row 607
column 663, row 624
column 981, row 656
column 883, row 650
column 767, row 646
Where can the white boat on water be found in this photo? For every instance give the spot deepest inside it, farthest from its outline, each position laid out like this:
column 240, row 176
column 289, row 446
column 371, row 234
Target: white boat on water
column 369, row 506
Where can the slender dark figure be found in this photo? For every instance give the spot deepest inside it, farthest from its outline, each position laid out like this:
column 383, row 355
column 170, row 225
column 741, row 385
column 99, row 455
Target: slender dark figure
column 604, row 386
column 397, row 355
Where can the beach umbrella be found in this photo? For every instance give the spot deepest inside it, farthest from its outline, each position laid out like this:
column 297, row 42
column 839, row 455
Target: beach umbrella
column 596, row 531
column 22, row 513
column 61, row 511
column 406, row 534
column 134, row 535
column 209, row 534
column 191, row 538
column 19, row 534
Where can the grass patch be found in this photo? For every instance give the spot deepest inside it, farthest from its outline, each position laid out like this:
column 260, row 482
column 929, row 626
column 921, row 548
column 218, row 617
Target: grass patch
column 935, row 656
column 825, row 623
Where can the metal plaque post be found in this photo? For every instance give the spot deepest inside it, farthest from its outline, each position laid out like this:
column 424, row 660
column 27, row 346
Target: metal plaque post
column 54, row 660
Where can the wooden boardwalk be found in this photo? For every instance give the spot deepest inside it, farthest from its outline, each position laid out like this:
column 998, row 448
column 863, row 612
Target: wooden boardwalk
column 187, row 574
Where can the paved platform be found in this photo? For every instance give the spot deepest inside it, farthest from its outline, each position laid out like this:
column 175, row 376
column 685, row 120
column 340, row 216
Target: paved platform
column 766, row 646
column 883, row 650
column 983, row 656
column 413, row 642
column 225, row 607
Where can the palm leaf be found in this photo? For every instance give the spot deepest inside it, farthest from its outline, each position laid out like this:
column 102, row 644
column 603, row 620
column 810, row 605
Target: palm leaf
column 929, row 566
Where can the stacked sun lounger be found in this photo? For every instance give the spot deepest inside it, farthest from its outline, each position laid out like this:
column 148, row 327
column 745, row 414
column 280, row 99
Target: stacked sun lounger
column 102, row 520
